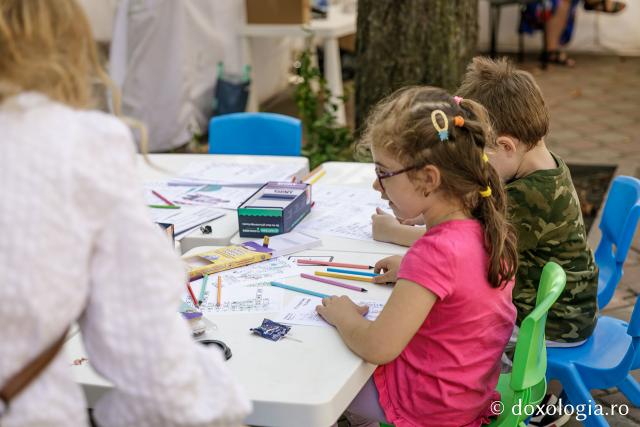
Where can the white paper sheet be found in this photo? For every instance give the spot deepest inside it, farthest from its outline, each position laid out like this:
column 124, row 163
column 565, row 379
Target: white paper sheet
column 213, row 172
column 258, row 273
column 187, row 217
column 171, row 193
column 302, row 311
column 343, row 212
column 235, row 299
column 215, row 195
column 290, row 243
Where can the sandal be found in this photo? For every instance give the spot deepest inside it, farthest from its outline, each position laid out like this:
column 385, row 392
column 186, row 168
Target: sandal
column 605, row 6
column 558, row 57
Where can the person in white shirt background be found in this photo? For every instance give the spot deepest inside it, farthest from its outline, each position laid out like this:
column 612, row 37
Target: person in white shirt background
column 79, row 245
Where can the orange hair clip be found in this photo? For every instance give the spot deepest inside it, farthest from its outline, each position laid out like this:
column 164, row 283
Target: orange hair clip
column 458, row 121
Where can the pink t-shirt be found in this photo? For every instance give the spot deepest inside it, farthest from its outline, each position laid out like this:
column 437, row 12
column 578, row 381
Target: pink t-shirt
column 447, row 374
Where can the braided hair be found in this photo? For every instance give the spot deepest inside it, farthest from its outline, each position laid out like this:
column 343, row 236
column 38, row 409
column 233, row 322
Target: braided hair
column 405, row 126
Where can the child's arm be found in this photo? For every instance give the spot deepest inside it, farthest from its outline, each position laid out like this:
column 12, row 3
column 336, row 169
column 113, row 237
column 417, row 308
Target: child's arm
column 386, row 228
column 382, row 340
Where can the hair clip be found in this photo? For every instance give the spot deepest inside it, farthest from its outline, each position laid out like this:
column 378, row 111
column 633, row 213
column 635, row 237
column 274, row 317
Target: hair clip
column 486, row 193
column 485, row 158
column 458, row 121
column 443, row 132
column 458, row 99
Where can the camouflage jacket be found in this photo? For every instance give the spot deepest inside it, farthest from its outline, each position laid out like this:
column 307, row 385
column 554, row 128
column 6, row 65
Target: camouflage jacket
column 545, row 211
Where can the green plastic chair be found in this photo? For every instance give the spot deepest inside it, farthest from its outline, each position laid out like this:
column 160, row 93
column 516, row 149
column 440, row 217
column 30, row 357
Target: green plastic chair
column 526, row 384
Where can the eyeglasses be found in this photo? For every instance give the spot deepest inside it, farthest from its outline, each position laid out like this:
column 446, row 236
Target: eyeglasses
column 384, row 175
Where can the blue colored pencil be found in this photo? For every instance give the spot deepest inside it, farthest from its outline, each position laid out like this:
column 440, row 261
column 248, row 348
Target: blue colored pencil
column 302, row 291
column 358, row 273
column 203, row 288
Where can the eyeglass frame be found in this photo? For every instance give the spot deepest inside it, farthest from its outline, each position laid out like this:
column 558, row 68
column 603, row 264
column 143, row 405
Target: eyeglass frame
column 386, row 175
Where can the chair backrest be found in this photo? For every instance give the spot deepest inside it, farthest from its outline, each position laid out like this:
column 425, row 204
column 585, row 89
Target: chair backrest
column 530, row 359
column 528, row 384
column 256, row 134
column 618, row 225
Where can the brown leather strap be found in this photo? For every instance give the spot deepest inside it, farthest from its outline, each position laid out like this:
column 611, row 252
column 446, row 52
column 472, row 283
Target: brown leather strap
column 26, row 375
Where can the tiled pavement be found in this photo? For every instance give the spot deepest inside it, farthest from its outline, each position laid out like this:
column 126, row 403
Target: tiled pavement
column 595, row 119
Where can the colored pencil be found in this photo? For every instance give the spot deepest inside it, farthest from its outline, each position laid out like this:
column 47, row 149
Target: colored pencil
column 344, row 276
column 358, row 273
column 164, row 206
column 219, row 290
column 312, row 173
column 333, row 264
column 316, row 177
column 161, row 197
column 302, row 291
column 203, row 288
column 193, row 296
column 332, row 282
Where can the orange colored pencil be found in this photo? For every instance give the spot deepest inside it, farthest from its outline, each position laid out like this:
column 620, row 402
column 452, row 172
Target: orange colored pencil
column 219, row 290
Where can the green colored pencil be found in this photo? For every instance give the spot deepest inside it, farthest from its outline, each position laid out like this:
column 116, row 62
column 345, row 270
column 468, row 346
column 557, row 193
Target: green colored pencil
column 163, row 207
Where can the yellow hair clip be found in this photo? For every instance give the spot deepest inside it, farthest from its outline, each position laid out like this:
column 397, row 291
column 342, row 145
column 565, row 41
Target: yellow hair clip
column 486, row 193
column 443, row 132
column 485, row 158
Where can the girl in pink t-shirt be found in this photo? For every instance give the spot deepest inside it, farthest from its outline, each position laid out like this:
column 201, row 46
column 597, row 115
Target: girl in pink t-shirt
column 439, row 338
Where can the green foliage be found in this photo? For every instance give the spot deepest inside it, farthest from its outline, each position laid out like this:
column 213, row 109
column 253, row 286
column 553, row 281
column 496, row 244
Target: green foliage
column 324, row 139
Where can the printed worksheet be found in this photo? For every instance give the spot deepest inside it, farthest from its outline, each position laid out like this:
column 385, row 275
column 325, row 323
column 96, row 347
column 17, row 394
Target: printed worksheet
column 233, row 300
column 331, row 203
column 171, row 193
column 215, row 195
column 261, row 272
column 213, row 172
column 302, row 311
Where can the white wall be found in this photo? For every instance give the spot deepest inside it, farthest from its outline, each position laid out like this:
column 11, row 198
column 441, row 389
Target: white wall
column 594, row 32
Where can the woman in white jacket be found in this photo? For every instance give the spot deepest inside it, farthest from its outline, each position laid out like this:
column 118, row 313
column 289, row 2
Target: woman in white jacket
column 79, row 245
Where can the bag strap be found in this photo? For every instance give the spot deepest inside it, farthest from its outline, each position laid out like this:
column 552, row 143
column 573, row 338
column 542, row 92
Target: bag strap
column 26, row 375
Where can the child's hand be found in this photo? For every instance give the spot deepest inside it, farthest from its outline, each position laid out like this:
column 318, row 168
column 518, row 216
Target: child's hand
column 419, row 220
column 384, row 226
column 336, row 310
column 389, row 266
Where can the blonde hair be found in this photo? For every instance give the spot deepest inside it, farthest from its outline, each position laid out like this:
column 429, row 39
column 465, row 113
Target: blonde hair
column 47, row 46
column 512, row 97
column 402, row 126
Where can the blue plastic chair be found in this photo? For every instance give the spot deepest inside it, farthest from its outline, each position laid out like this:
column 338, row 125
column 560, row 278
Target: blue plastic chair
column 603, row 361
column 618, row 225
column 265, row 134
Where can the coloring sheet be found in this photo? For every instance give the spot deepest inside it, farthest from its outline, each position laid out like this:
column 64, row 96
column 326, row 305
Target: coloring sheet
column 261, row 272
column 233, row 300
column 302, row 311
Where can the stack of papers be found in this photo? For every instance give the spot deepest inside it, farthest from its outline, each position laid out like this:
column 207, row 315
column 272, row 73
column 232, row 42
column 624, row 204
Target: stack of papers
column 225, row 173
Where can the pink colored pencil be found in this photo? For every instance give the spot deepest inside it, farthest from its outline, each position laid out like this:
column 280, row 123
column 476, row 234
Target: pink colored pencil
column 332, row 282
column 333, row 264
column 161, row 197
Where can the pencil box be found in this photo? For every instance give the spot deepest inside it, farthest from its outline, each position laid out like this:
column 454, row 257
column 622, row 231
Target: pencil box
column 276, row 208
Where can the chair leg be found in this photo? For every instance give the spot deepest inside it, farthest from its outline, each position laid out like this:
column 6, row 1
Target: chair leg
column 579, row 394
column 631, row 389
